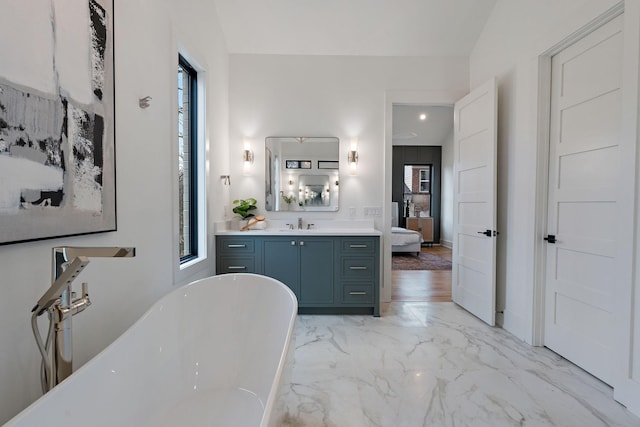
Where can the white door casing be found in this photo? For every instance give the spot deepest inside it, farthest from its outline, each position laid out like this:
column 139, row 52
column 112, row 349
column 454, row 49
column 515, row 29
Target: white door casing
column 474, row 205
column 584, row 165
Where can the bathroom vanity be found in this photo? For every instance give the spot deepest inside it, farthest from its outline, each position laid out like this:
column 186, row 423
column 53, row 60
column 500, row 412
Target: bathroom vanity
column 329, row 270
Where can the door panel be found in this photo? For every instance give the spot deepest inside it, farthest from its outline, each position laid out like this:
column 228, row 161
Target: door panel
column 316, row 270
column 474, row 253
column 583, row 179
column 281, row 262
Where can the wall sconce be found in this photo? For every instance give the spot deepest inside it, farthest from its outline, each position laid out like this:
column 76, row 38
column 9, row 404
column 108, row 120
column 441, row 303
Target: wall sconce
column 352, row 155
column 247, row 158
column 352, row 159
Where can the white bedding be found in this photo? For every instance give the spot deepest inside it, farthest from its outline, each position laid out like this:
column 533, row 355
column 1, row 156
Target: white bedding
column 402, row 236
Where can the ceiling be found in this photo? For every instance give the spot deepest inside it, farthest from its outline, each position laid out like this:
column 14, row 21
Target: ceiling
column 353, row 27
column 410, row 129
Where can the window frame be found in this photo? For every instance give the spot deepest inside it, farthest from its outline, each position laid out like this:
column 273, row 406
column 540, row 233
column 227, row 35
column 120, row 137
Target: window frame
column 427, row 171
column 193, row 144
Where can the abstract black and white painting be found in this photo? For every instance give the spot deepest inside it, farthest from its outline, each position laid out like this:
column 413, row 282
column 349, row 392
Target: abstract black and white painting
column 57, row 112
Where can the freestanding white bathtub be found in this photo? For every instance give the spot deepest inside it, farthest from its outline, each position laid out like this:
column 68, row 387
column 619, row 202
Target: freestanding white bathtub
column 210, row 353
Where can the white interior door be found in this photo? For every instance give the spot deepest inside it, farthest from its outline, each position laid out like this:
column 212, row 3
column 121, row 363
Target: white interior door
column 474, row 203
column 583, row 175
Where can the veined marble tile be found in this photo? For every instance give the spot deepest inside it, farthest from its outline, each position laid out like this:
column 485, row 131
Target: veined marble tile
column 476, row 398
column 321, row 397
column 434, row 364
column 321, row 346
column 391, row 314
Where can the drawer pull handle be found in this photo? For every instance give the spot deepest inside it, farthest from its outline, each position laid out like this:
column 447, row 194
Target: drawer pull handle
column 357, row 246
column 357, row 293
column 236, row 246
column 357, row 267
column 237, row 267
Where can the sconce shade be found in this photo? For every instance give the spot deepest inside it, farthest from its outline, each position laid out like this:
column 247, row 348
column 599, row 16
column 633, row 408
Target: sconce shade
column 247, row 157
column 352, row 158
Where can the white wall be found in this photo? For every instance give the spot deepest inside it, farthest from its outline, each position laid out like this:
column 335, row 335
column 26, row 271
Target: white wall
column 148, row 34
column 446, row 210
column 516, row 34
column 337, row 96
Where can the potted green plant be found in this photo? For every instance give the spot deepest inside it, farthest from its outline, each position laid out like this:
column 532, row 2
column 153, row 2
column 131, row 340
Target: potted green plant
column 244, row 206
column 288, row 199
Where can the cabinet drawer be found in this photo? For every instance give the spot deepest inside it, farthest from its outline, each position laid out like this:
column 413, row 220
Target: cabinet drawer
column 357, row 294
column 358, row 267
column 358, row 246
column 237, row 265
column 236, row 246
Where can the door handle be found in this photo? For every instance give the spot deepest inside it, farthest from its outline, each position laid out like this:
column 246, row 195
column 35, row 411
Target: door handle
column 486, row 233
column 550, row 238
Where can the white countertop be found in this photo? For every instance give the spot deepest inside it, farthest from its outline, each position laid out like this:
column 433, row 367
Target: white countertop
column 318, row 228
column 312, row 232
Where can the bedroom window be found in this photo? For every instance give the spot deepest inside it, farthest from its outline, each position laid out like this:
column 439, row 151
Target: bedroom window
column 417, row 190
column 425, row 180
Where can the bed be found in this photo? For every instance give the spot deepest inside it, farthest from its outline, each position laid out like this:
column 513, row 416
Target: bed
column 403, row 240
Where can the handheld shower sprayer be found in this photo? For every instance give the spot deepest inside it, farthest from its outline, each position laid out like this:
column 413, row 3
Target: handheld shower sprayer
column 61, row 284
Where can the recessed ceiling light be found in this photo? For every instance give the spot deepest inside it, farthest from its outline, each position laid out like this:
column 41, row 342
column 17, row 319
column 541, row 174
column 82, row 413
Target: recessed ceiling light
column 423, row 116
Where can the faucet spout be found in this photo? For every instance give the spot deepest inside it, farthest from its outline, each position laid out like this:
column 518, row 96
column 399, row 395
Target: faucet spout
column 64, row 254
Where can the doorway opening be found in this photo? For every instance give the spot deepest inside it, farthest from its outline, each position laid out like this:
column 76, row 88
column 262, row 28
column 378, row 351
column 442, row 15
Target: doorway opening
column 422, row 203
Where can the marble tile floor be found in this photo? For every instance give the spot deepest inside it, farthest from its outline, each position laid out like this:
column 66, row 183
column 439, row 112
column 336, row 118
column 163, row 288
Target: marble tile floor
column 433, row 364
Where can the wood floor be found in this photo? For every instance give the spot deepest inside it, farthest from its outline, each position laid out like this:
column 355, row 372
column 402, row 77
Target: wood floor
column 423, row 285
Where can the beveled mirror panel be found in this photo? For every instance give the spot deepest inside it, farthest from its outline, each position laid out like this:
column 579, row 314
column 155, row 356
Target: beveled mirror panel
column 301, row 173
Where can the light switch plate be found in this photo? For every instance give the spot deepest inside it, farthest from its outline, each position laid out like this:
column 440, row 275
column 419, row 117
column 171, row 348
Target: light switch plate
column 371, row 211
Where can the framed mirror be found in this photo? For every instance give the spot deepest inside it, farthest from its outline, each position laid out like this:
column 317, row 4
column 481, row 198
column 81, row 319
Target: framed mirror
column 301, row 173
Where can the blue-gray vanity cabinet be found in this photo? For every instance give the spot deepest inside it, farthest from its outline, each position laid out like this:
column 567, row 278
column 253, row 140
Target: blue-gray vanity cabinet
column 357, row 281
column 236, row 255
column 305, row 264
column 328, row 274
column 280, row 257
